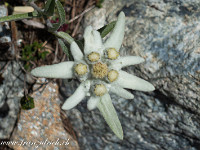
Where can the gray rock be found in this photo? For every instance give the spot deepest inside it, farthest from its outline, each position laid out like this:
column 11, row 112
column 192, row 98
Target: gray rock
column 10, row 92
column 11, row 88
column 167, row 34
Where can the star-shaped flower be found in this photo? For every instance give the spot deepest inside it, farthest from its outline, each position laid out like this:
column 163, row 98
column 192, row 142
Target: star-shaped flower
column 99, row 71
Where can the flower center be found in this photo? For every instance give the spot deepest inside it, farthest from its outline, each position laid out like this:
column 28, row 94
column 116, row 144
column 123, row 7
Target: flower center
column 81, row 69
column 100, row 90
column 112, row 53
column 94, row 56
column 99, row 70
column 112, row 75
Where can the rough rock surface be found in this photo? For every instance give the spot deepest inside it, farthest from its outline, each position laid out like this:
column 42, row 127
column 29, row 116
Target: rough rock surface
column 42, row 126
column 167, row 34
column 11, row 82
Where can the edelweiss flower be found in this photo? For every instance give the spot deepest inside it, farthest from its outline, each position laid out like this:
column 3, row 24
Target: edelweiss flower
column 99, row 70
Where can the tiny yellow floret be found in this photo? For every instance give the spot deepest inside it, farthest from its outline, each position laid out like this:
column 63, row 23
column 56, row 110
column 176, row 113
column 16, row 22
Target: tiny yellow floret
column 94, row 56
column 100, row 90
column 112, row 75
column 81, row 69
column 99, row 70
column 112, row 53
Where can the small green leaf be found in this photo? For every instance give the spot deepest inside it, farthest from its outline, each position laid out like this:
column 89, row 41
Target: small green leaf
column 43, row 54
column 108, row 111
column 80, row 44
column 61, row 13
column 27, row 66
column 55, row 27
column 66, row 37
column 27, row 102
column 19, row 16
column 64, row 47
column 106, row 29
column 49, row 7
column 99, row 3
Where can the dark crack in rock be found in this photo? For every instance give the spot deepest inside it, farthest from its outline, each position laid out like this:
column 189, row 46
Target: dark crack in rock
column 167, row 34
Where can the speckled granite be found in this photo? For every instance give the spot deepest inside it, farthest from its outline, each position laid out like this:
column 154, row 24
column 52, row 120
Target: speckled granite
column 43, row 123
column 167, row 34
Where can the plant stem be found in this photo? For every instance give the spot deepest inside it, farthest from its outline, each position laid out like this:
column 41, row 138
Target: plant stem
column 36, row 7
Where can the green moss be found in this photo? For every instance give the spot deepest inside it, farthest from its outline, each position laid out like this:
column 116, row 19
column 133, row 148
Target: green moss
column 27, row 102
column 32, row 53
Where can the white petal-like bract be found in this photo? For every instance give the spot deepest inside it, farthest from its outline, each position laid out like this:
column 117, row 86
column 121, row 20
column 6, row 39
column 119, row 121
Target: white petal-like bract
column 92, row 41
column 109, row 113
column 62, row 70
column 76, row 52
column 129, row 81
column 92, row 102
column 121, row 92
column 116, row 38
column 76, row 97
column 126, row 61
